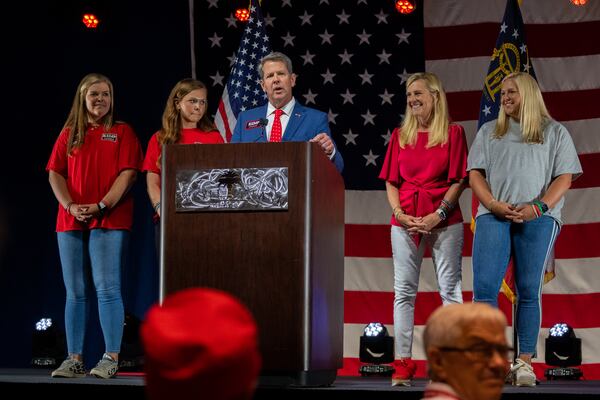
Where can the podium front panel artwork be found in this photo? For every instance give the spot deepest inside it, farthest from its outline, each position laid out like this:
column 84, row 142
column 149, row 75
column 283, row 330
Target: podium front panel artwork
column 235, row 189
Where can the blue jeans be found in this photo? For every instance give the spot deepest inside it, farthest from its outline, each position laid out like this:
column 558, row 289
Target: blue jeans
column 93, row 259
column 530, row 244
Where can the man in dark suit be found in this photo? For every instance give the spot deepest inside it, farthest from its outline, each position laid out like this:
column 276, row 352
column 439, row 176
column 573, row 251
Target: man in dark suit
column 283, row 118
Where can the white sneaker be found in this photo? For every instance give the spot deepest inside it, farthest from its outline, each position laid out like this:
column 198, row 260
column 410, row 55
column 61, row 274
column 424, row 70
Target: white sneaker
column 522, row 373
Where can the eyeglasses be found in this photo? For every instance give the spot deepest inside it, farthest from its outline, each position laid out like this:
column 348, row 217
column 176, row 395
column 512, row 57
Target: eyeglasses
column 484, row 351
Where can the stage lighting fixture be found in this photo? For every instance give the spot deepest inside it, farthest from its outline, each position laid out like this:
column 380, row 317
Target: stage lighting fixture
column 376, row 351
column 579, row 2
column 405, row 6
column 563, row 350
column 242, row 14
column 90, row 21
column 47, row 345
column 131, row 357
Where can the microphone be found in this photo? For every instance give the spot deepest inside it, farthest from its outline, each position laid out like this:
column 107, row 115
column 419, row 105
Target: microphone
column 263, row 122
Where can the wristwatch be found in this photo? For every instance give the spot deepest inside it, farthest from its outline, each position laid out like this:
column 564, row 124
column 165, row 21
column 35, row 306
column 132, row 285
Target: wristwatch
column 441, row 213
column 101, row 208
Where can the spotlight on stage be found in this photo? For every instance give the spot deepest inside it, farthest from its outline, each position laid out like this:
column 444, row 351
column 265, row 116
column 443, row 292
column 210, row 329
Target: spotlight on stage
column 90, row 21
column 376, row 351
column 579, row 2
column 131, row 357
column 405, row 6
column 47, row 345
column 563, row 350
column 242, row 14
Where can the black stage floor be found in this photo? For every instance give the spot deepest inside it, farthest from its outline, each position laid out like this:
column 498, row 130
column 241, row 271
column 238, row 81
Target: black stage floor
column 37, row 382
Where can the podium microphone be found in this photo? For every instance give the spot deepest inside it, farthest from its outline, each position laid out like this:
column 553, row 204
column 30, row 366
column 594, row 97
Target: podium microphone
column 263, row 122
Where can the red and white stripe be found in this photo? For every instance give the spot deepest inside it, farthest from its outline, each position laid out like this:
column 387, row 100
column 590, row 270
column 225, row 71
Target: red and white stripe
column 224, row 118
column 459, row 38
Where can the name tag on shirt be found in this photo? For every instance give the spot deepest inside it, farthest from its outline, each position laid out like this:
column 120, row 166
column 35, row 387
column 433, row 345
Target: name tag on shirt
column 254, row 124
column 110, row 137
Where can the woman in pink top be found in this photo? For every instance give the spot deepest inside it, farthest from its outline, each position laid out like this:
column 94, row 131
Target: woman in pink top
column 425, row 173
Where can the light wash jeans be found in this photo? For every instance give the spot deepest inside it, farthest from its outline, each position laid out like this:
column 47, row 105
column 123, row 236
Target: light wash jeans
column 531, row 244
column 446, row 251
column 93, row 260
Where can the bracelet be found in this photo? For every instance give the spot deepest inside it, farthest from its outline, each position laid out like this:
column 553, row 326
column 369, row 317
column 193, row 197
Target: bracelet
column 68, row 207
column 441, row 213
column 543, row 207
column 397, row 210
column 448, row 205
column 536, row 211
column 491, row 205
column 156, row 206
column 101, row 208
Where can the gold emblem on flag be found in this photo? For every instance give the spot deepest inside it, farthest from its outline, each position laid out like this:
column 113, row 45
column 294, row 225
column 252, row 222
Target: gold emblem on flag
column 509, row 61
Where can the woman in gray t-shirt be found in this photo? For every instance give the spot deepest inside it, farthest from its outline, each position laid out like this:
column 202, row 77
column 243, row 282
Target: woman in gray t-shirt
column 520, row 167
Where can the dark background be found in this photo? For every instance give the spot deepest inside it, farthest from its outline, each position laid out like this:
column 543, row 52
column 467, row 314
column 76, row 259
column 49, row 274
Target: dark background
column 144, row 48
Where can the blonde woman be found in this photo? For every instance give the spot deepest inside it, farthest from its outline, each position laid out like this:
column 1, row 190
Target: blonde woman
column 93, row 164
column 520, row 167
column 425, row 173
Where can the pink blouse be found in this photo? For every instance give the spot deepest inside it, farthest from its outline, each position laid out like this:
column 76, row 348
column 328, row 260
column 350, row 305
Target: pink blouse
column 424, row 175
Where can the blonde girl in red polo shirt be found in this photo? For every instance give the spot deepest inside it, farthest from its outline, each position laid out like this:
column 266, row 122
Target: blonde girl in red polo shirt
column 93, row 164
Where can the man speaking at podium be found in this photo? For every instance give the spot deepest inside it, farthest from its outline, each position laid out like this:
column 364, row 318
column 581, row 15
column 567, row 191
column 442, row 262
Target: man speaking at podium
column 283, row 119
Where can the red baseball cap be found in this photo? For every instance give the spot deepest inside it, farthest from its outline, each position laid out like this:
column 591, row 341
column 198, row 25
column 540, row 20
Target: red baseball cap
column 200, row 343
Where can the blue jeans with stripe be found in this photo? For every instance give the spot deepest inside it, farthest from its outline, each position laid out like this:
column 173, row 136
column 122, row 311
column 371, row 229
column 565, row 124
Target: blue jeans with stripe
column 530, row 244
column 92, row 260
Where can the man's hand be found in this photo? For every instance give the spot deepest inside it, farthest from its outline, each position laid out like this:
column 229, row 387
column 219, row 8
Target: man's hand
column 325, row 142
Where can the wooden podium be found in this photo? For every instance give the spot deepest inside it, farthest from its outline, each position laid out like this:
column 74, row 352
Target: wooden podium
column 286, row 265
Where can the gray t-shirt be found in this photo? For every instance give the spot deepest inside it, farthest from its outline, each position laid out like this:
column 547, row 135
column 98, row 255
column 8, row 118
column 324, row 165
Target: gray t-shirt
column 519, row 172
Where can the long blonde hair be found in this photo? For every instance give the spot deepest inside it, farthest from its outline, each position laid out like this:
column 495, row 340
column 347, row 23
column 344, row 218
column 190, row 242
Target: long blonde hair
column 533, row 114
column 171, row 120
column 438, row 129
column 78, row 120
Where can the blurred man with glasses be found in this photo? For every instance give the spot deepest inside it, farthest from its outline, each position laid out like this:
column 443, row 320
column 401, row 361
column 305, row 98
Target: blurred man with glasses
column 467, row 353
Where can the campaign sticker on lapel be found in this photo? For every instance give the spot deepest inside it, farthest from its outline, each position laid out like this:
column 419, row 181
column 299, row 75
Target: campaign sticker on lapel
column 110, row 137
column 257, row 123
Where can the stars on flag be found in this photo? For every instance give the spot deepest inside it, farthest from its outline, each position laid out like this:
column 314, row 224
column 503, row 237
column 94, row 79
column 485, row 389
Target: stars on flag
column 328, row 77
column 350, row 137
column 351, row 61
column 371, row 158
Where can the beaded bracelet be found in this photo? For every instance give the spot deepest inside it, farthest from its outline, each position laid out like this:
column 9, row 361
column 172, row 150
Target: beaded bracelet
column 448, row 205
column 156, row 206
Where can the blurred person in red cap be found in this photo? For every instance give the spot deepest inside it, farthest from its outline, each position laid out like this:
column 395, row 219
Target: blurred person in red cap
column 200, row 343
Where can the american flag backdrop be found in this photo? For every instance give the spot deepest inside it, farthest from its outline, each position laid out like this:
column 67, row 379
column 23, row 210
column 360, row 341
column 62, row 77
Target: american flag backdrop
column 352, row 59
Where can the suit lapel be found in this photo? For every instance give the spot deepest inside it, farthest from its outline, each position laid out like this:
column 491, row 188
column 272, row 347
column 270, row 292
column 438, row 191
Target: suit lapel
column 294, row 122
column 258, row 134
